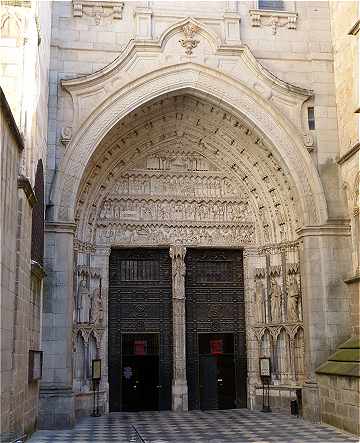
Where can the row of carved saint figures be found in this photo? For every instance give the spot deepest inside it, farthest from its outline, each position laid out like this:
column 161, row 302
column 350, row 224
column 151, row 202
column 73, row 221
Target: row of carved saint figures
column 275, row 305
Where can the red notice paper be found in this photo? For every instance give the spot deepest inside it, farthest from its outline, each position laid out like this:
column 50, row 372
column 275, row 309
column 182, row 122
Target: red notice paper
column 140, row 347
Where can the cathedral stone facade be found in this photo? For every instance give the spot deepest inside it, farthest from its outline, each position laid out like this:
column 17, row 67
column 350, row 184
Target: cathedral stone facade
column 202, row 205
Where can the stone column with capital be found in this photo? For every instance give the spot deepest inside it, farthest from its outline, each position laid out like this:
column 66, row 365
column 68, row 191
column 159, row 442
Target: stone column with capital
column 179, row 384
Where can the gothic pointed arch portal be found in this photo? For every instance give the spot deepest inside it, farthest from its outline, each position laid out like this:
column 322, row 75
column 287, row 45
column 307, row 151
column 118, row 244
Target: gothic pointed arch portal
column 184, row 170
column 171, row 152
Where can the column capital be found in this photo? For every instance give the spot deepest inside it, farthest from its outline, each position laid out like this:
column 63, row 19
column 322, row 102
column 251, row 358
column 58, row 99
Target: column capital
column 177, row 252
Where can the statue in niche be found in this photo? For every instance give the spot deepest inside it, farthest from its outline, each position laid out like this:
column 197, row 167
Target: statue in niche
column 260, row 301
column 275, row 297
column 293, row 300
column 84, row 302
column 97, row 312
column 178, row 272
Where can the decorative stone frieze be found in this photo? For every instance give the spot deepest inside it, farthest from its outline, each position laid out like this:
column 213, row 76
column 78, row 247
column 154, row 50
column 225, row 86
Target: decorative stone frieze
column 273, row 19
column 98, row 9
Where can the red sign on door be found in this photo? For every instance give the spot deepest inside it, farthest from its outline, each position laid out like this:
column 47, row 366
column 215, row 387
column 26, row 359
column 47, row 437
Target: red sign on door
column 216, row 347
column 140, row 347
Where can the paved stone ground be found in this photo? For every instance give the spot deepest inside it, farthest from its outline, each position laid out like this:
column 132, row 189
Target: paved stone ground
column 196, row 426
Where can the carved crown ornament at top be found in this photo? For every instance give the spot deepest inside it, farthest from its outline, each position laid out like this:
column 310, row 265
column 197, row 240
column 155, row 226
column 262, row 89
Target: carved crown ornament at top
column 98, row 9
column 189, row 42
column 273, row 19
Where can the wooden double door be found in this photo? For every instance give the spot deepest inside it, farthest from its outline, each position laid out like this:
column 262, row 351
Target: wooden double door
column 215, row 329
column 140, row 329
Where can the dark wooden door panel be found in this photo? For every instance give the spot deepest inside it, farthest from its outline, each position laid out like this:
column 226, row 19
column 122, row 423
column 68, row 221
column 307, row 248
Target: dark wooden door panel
column 215, row 304
column 140, row 302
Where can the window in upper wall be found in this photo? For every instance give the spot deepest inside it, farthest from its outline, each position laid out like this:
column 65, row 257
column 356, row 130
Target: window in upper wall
column 311, row 118
column 274, row 5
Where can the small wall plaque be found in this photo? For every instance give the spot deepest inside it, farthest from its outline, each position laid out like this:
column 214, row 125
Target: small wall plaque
column 265, row 367
column 96, row 369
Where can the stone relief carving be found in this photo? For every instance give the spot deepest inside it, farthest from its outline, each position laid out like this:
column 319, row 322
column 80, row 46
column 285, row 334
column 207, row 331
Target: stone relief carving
column 189, row 42
column 274, row 19
column 89, row 321
column 98, row 9
column 182, row 200
column 209, row 185
column 171, row 210
column 177, row 254
column 293, row 300
column 158, row 233
column 277, row 312
column 83, row 302
column 66, row 134
column 97, row 310
column 275, row 301
column 173, row 160
column 260, row 301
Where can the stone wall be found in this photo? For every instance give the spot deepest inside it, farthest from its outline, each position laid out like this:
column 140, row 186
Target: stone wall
column 24, row 66
column 340, row 400
column 339, row 376
column 11, row 147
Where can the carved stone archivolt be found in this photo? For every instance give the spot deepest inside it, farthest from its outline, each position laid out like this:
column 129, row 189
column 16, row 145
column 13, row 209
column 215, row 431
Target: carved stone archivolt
column 163, row 166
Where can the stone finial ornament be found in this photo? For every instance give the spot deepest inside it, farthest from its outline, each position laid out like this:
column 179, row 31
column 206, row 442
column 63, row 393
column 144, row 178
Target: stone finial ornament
column 189, row 43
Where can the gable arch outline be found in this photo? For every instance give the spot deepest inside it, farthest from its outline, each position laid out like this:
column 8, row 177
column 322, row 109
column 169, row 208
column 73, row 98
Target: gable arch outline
column 210, row 84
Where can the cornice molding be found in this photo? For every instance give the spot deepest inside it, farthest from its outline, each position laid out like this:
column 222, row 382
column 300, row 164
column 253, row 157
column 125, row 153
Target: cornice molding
column 60, row 227
column 339, row 228
column 352, row 151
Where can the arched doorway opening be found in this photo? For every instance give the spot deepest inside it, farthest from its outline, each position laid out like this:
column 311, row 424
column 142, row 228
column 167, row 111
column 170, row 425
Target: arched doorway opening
column 182, row 174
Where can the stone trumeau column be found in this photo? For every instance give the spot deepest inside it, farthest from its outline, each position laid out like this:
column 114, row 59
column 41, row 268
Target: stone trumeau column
column 179, row 384
column 56, row 409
